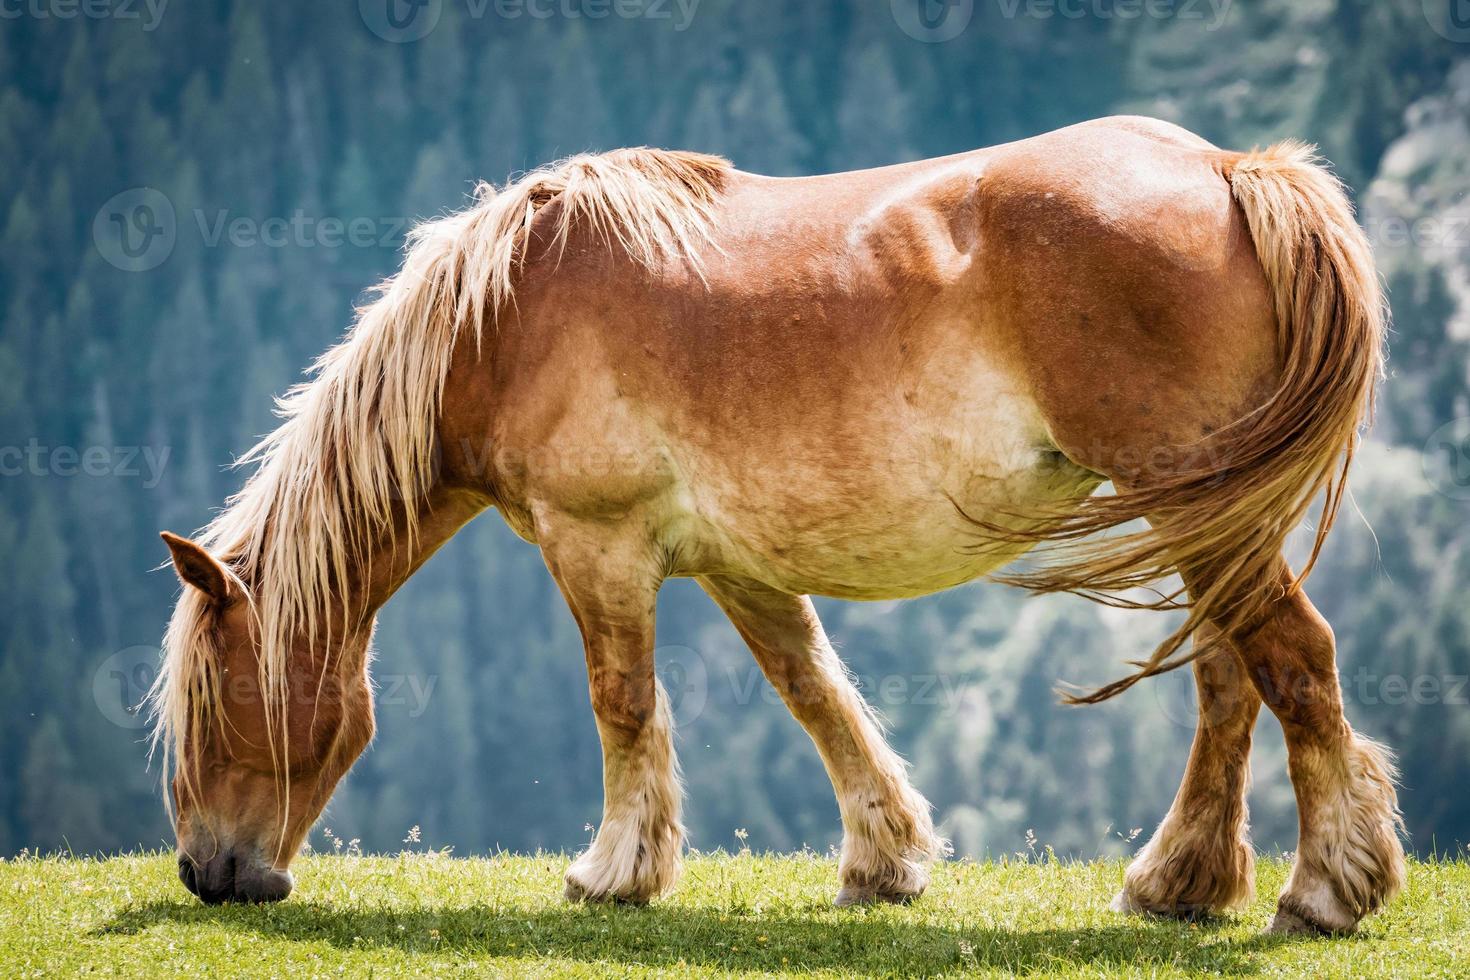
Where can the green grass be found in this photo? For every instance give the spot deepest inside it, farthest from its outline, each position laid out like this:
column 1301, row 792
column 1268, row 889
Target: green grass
column 421, row 914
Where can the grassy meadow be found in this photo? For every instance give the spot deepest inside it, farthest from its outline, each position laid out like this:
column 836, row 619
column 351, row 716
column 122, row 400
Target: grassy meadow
column 422, row 914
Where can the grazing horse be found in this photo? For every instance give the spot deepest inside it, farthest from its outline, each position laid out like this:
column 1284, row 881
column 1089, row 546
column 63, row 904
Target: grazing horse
column 864, row 385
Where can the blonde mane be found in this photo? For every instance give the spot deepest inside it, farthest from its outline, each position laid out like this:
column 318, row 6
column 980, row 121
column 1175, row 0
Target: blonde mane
column 357, row 437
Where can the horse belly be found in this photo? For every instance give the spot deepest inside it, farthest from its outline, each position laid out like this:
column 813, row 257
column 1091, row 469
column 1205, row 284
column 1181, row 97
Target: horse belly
column 893, row 516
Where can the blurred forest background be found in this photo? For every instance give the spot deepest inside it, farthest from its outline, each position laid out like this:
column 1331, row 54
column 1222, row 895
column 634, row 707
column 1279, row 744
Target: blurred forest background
column 195, row 193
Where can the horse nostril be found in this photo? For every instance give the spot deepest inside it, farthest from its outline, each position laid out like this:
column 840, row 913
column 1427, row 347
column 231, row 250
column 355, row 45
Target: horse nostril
column 229, row 877
column 213, row 881
column 188, row 875
column 263, row 884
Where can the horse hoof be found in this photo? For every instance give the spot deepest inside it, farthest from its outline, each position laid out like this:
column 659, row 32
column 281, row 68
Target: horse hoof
column 851, row 895
column 577, row 893
column 1125, row 904
column 1290, row 924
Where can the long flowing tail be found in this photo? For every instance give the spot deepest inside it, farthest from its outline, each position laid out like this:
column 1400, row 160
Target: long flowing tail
column 1222, row 524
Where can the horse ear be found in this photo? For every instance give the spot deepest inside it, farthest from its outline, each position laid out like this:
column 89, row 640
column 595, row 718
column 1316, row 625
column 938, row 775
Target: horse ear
column 198, row 567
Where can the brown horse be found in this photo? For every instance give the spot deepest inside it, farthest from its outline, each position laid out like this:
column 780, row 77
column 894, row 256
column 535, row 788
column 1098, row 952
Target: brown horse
column 865, row 385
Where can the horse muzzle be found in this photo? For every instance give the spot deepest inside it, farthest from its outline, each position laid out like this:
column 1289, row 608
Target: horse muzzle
column 233, row 877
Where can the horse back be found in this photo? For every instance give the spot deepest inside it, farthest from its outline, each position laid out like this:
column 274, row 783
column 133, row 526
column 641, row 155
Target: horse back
column 873, row 352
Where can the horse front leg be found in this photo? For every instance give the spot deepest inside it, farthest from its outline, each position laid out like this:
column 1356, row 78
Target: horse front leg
column 611, row 584
column 888, row 836
column 1200, row 859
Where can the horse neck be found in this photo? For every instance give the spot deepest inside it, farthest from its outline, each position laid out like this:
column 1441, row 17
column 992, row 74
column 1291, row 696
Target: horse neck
column 397, row 553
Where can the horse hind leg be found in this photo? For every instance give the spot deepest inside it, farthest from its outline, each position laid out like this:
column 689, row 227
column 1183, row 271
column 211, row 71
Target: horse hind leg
column 888, row 834
column 1200, row 860
column 1349, row 858
column 611, row 584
